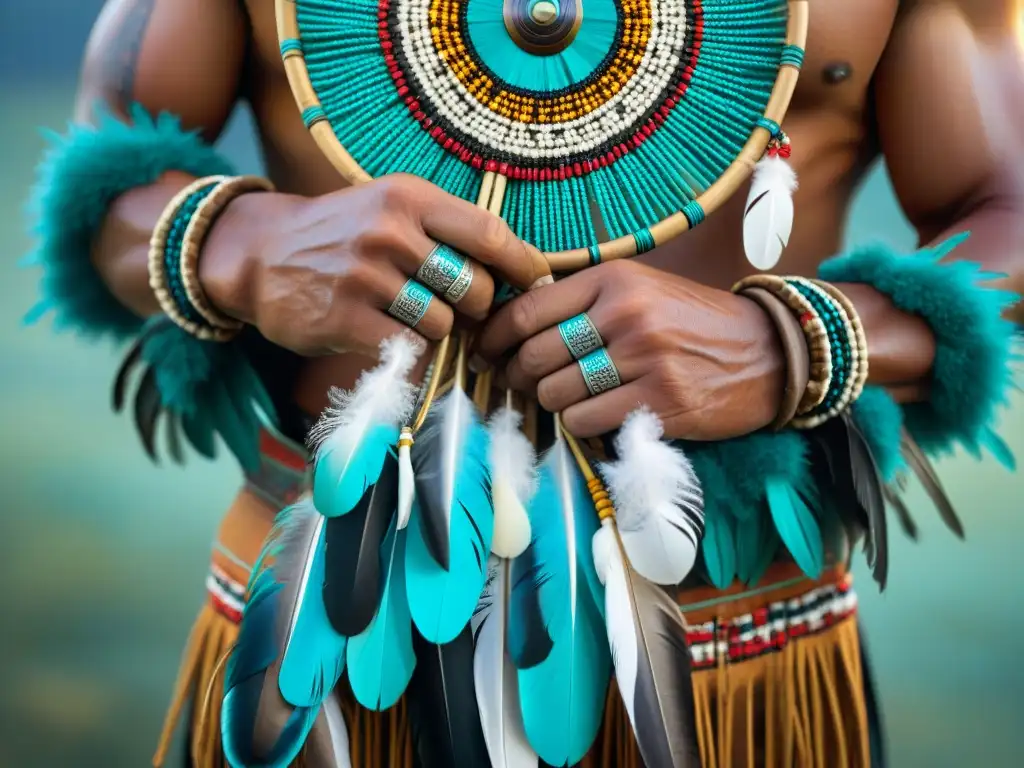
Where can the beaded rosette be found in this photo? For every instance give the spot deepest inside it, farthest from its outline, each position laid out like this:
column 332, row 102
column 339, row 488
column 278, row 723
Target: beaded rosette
column 597, row 129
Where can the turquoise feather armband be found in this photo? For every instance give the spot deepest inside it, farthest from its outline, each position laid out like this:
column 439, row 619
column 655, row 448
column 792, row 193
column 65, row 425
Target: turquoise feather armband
column 971, row 373
column 201, row 388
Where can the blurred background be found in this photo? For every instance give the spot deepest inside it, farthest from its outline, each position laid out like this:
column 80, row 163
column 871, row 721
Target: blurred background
column 104, row 556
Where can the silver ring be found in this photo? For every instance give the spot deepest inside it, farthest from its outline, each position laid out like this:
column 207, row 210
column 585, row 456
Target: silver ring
column 447, row 272
column 580, row 336
column 410, row 305
column 599, row 372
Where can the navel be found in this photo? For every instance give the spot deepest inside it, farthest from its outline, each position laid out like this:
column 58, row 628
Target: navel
column 837, row 72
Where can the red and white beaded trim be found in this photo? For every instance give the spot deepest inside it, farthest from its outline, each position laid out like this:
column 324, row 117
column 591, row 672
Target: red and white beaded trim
column 226, row 595
column 769, row 629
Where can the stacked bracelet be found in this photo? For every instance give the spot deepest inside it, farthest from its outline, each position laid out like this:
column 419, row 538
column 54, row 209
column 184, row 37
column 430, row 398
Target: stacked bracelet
column 175, row 248
column 835, row 339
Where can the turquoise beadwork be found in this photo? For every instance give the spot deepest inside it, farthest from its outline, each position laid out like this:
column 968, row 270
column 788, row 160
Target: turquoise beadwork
column 172, row 254
column 840, row 344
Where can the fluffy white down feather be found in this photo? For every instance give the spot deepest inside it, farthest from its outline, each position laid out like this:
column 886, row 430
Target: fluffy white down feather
column 381, row 395
column 659, row 506
column 513, row 482
column 768, row 216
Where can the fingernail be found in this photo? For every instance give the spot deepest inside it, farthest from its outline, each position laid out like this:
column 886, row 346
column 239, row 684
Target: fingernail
column 477, row 364
column 546, row 280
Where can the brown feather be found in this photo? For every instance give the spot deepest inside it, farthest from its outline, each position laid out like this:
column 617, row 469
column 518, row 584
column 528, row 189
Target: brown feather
column 922, row 467
column 903, row 515
column 867, row 486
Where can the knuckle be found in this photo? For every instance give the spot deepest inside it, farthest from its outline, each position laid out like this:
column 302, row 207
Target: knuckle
column 398, row 190
column 523, row 314
column 374, row 238
column 531, row 359
column 547, row 394
column 495, row 235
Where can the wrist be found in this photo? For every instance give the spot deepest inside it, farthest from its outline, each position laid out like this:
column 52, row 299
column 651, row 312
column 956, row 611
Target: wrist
column 768, row 367
column 231, row 252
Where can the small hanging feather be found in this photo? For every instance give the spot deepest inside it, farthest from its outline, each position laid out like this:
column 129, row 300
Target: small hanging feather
column 867, row 486
column 797, row 526
column 647, row 636
column 497, row 688
column 258, row 727
column 328, row 745
column 513, row 482
column 922, row 467
column 768, row 218
column 658, row 503
column 313, row 652
column 353, row 592
column 450, row 535
column 442, row 705
column 355, row 434
column 562, row 692
column 381, row 659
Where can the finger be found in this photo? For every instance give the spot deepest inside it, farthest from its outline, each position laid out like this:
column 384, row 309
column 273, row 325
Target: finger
column 436, row 322
column 362, row 322
column 547, row 352
column 482, row 236
column 604, row 413
column 476, row 302
column 566, row 387
column 537, row 310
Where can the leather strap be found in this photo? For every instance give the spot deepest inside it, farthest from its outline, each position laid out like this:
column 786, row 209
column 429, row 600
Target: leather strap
column 794, row 346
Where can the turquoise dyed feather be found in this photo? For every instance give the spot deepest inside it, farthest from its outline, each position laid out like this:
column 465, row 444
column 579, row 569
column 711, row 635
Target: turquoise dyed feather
column 255, row 651
column 314, row 653
column 381, row 659
column 719, row 545
column 756, row 545
column 562, row 696
column 347, row 463
column 797, row 526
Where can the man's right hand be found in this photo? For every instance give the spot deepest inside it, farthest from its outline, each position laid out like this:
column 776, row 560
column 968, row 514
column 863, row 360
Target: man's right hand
column 317, row 275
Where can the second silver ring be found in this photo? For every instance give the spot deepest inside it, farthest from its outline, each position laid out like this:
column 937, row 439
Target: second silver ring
column 447, row 272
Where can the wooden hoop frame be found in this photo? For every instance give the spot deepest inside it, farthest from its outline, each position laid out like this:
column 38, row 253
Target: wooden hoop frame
column 493, row 186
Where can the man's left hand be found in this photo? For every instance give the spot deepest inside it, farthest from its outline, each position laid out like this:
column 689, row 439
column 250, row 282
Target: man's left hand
column 708, row 362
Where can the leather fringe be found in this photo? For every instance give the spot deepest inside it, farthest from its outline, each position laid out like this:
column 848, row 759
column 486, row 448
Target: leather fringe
column 801, row 707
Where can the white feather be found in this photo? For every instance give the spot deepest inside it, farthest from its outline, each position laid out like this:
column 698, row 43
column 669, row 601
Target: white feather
column 513, row 482
column 328, row 744
column 618, row 612
column 768, row 217
column 382, row 395
column 659, row 506
column 497, row 686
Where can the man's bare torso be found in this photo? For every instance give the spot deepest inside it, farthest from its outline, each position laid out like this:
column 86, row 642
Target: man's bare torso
column 829, row 123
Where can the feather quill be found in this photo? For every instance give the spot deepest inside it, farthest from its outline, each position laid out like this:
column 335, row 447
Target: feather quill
column 353, row 557
column 443, row 714
column 768, row 217
column 497, row 689
column 453, row 520
column 513, row 482
column 647, row 636
column 381, row 658
column 658, row 501
column 562, row 694
column 354, row 435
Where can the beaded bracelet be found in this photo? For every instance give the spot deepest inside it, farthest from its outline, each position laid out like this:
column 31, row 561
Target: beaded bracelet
column 175, row 248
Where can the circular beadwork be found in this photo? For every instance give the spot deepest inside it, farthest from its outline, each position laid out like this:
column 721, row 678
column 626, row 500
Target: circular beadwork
column 580, row 335
column 447, row 272
column 599, row 372
column 411, row 303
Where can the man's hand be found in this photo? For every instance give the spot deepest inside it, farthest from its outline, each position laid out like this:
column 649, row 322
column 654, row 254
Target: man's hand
column 317, row 275
column 708, row 362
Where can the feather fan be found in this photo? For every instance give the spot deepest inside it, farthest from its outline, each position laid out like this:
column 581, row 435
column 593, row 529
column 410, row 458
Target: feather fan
column 443, row 713
column 652, row 661
column 453, row 519
column 497, row 689
column 768, row 217
column 381, row 658
column 562, row 692
column 513, row 481
column 353, row 591
column 353, row 437
column 658, row 500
